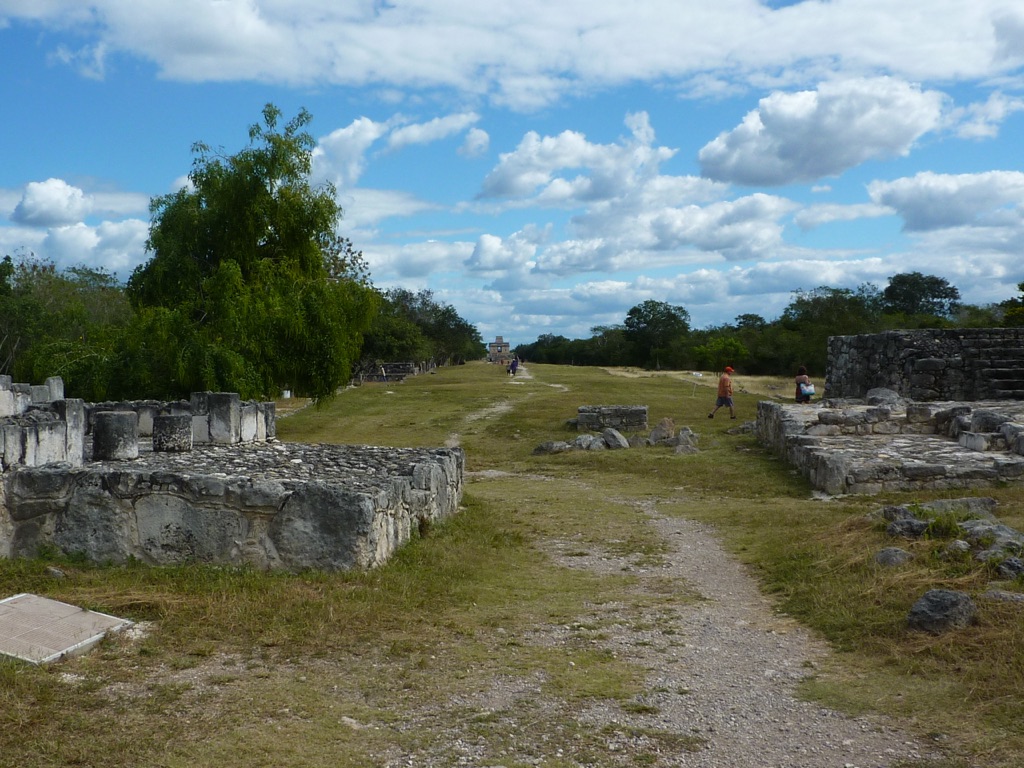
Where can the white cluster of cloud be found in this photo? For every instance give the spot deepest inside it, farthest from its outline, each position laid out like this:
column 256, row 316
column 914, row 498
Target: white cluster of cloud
column 576, row 231
column 532, row 53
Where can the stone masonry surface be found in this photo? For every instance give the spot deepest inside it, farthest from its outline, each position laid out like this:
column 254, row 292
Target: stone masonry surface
column 929, row 364
column 204, row 480
column 271, row 505
column 848, row 446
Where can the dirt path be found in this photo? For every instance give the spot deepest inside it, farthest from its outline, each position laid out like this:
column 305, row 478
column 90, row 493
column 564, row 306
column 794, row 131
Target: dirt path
column 723, row 669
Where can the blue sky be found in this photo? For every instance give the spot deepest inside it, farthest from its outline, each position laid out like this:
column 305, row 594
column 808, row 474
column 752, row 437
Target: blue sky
column 543, row 167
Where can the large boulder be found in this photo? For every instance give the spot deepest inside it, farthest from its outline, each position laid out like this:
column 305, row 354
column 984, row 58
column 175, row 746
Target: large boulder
column 941, row 610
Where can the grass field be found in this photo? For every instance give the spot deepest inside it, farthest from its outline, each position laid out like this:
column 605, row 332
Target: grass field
column 236, row 667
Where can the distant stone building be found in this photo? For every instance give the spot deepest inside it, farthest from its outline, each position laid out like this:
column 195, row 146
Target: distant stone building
column 499, row 351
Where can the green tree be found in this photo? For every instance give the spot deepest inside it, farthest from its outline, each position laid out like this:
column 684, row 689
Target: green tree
column 815, row 315
column 651, row 328
column 60, row 323
column 1013, row 309
column 719, row 352
column 912, row 293
column 249, row 288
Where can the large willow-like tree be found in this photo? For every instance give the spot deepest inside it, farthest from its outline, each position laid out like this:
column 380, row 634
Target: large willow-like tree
column 249, row 288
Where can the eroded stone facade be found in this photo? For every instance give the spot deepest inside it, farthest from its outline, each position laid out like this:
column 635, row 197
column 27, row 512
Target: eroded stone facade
column 968, row 364
column 205, row 480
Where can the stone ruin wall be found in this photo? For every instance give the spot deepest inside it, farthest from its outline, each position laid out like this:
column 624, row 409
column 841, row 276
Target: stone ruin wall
column 625, row 418
column 905, row 410
column 965, row 364
column 223, row 490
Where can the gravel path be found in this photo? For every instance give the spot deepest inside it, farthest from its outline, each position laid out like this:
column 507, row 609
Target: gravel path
column 738, row 663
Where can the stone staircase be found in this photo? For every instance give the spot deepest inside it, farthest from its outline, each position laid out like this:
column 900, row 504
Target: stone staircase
column 1000, row 374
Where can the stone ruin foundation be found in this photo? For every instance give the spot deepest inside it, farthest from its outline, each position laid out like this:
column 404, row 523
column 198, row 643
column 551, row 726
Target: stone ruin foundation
column 625, row 418
column 204, row 480
column 909, row 410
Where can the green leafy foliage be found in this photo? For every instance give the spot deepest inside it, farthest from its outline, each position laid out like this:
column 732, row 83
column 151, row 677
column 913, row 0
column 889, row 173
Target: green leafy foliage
column 416, row 327
column 60, row 323
column 249, row 289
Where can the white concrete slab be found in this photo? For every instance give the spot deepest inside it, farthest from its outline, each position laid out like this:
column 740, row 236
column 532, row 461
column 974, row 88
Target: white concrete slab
column 38, row 630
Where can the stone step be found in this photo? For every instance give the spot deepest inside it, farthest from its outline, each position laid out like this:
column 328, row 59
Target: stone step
column 1004, row 374
column 1008, row 394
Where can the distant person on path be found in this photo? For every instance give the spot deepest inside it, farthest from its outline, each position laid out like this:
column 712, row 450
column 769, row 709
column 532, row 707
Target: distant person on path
column 804, row 388
column 724, row 394
column 514, row 366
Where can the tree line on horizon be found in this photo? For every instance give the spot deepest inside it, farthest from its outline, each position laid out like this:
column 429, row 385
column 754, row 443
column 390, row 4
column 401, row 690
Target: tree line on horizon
column 249, row 289
column 658, row 335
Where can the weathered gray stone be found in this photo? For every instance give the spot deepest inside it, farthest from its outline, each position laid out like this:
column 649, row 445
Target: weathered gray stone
column 942, row 610
column 984, row 420
column 614, row 439
column 161, row 509
column 907, row 528
column 893, row 556
column 1003, row 596
column 588, row 443
column 1011, row 568
column 172, row 432
column 115, row 436
column 552, row 446
column 225, row 417
column 883, row 396
column 663, row 432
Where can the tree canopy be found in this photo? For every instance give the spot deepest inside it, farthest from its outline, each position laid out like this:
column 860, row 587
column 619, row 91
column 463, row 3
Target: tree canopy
column 249, row 289
column 912, row 293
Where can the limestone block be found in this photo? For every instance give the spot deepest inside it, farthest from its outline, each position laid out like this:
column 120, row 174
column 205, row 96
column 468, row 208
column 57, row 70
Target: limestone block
column 920, row 471
column 94, row 524
column 72, row 413
column 115, row 436
column 40, row 394
column 7, row 403
column 147, row 412
column 56, row 386
column 5, row 381
column 824, row 430
column 172, row 432
column 200, row 403
column 975, row 441
column 886, row 428
column 247, row 422
column 930, row 364
column 325, row 527
column 201, row 428
column 51, row 442
column 225, row 417
column 985, row 420
column 270, row 416
column 173, row 529
column 920, row 413
column 877, row 414
column 922, row 428
column 13, row 445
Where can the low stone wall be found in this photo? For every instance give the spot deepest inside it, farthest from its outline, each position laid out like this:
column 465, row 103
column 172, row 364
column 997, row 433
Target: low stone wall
column 217, row 417
column 270, row 505
column 625, row 418
column 857, row 447
column 926, row 365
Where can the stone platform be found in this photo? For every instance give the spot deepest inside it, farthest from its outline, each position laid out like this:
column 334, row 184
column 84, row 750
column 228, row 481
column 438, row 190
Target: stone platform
column 270, row 505
column 857, row 447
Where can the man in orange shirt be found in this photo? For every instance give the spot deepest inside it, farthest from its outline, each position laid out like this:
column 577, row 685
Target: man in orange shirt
column 724, row 394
